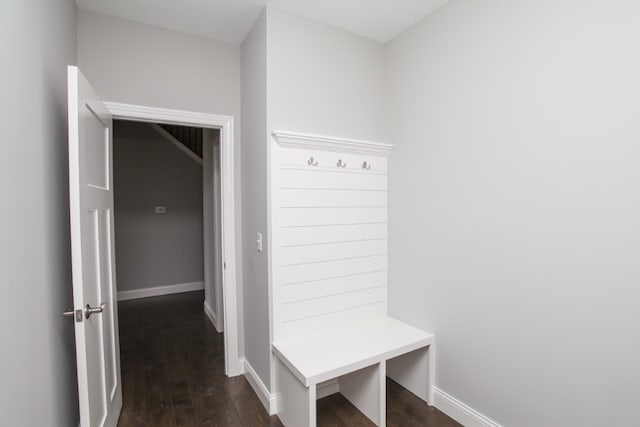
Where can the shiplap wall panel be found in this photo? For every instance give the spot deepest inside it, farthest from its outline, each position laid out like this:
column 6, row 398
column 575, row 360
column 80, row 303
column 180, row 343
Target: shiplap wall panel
column 323, row 322
column 302, row 236
column 339, row 285
column 327, row 270
column 329, row 233
column 331, row 198
column 332, row 179
column 296, row 217
column 332, row 303
column 331, row 251
column 327, row 160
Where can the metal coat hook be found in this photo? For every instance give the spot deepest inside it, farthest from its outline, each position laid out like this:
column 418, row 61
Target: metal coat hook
column 312, row 162
column 365, row 165
column 341, row 164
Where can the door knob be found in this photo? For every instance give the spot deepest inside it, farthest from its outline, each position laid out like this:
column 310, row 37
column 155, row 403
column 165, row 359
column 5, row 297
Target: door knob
column 88, row 311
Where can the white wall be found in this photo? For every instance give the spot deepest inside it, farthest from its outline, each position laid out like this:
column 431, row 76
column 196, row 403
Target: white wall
column 514, row 205
column 324, row 80
column 145, row 65
column 254, row 193
column 37, row 360
column 155, row 249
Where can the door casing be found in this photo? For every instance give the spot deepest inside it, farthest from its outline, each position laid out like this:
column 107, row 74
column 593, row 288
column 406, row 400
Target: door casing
column 225, row 124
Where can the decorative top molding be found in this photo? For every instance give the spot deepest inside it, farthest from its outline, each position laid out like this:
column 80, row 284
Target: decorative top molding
column 330, row 143
column 143, row 113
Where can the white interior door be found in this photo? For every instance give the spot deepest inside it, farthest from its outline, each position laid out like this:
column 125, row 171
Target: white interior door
column 92, row 254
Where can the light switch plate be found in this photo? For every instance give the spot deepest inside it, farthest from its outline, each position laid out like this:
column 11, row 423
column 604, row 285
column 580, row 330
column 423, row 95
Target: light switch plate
column 160, row 209
column 259, row 242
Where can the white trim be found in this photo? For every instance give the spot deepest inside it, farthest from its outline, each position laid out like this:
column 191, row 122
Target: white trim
column 212, row 316
column 267, row 398
column 233, row 364
column 327, row 388
column 216, row 220
column 160, row 290
column 211, row 205
column 330, row 143
column 176, row 142
column 229, row 286
column 270, row 400
column 461, row 412
column 141, row 113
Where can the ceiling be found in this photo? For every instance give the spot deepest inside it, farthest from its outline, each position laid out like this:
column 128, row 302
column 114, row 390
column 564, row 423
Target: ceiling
column 231, row 20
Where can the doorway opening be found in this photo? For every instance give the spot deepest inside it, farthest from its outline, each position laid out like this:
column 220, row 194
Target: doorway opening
column 217, row 132
column 167, row 215
column 167, row 212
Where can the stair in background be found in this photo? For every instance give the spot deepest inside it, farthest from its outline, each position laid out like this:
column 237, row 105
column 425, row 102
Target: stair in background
column 190, row 137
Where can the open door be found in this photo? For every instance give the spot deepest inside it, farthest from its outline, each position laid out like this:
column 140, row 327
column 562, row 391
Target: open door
column 212, row 206
column 92, row 255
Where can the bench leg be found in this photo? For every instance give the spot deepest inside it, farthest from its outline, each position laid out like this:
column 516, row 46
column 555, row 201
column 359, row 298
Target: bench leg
column 415, row 371
column 366, row 389
column 296, row 403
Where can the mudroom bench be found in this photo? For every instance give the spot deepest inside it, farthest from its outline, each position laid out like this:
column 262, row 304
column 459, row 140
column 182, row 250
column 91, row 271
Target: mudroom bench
column 359, row 355
column 330, row 328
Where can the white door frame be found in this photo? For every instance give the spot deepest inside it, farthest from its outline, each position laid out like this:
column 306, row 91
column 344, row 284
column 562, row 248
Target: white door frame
column 233, row 365
column 212, row 227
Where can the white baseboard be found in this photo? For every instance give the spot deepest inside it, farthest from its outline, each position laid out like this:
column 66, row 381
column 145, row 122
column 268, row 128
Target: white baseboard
column 448, row 404
column 327, row 388
column 268, row 399
column 461, row 412
column 212, row 316
column 160, row 290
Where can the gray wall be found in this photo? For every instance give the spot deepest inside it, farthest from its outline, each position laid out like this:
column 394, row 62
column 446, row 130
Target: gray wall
column 155, row 249
column 145, row 65
column 141, row 64
column 324, row 80
column 254, row 193
column 514, row 205
column 37, row 360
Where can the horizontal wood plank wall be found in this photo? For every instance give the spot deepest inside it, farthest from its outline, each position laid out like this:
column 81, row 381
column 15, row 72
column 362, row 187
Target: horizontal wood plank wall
column 328, row 236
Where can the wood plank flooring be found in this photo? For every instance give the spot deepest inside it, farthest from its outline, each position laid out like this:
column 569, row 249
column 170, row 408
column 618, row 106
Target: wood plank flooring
column 173, row 375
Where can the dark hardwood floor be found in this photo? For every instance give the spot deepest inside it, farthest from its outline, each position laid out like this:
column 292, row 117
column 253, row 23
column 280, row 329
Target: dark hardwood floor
column 173, row 375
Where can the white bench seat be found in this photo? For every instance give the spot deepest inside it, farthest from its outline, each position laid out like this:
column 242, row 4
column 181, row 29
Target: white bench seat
column 354, row 352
